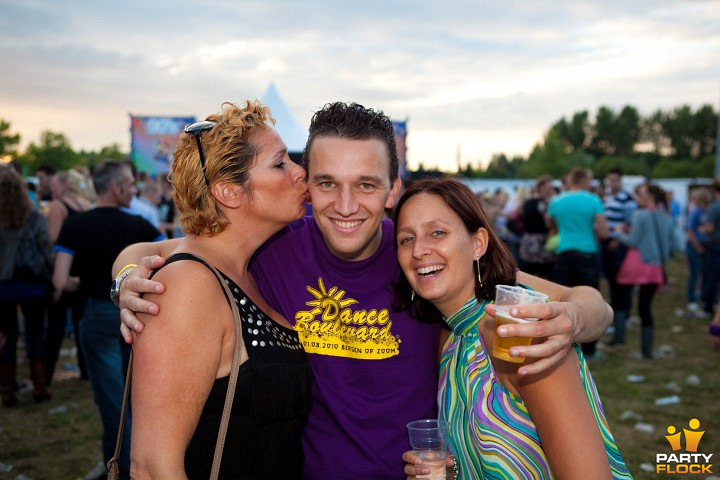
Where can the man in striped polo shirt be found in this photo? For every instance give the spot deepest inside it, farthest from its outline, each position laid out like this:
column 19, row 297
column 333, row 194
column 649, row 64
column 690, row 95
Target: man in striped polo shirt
column 619, row 208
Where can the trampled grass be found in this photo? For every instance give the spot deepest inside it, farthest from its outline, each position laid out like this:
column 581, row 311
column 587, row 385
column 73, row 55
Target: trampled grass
column 686, row 341
column 66, row 445
column 59, row 439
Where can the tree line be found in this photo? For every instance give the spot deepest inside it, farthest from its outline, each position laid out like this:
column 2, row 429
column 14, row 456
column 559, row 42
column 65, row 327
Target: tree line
column 54, row 149
column 681, row 142
column 677, row 143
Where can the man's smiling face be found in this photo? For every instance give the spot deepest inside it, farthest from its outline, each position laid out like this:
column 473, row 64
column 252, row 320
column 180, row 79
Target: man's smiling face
column 349, row 184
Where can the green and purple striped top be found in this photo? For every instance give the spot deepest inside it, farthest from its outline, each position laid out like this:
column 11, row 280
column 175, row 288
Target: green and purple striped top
column 491, row 432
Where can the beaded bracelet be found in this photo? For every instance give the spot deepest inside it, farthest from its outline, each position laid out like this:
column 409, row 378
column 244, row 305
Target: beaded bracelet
column 714, row 330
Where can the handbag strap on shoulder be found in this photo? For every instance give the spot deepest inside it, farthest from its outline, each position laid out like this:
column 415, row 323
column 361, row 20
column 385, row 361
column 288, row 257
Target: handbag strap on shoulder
column 112, row 465
column 234, row 371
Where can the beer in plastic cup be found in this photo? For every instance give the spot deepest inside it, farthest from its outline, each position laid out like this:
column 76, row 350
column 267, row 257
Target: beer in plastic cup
column 507, row 296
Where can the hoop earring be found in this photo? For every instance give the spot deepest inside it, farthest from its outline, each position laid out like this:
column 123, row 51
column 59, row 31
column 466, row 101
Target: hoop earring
column 412, row 296
column 477, row 262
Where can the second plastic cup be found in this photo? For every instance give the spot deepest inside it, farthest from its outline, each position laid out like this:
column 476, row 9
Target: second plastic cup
column 507, row 296
column 428, row 439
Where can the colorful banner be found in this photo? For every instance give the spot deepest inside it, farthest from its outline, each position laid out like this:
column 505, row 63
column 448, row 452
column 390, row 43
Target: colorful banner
column 400, row 136
column 153, row 141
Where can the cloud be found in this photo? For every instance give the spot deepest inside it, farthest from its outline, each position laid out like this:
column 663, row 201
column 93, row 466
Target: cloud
column 491, row 76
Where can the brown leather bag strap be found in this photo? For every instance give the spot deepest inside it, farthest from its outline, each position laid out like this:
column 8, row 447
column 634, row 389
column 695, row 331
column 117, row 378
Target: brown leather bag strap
column 234, row 371
column 113, row 470
column 112, row 465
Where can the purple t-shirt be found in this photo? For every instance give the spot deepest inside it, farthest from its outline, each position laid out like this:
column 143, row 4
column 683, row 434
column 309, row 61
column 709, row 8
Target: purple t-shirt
column 374, row 369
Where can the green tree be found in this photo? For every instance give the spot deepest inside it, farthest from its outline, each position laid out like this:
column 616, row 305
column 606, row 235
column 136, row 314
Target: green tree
column 577, row 133
column 500, row 167
column 681, row 133
column 601, row 143
column 610, row 134
column 680, row 142
column 626, row 131
column 422, row 172
column 108, row 152
column 653, row 134
column 691, row 134
column 552, row 158
column 615, row 134
column 669, row 167
column 468, row 171
column 706, row 122
column 679, row 127
column 8, row 141
column 53, row 149
column 630, row 165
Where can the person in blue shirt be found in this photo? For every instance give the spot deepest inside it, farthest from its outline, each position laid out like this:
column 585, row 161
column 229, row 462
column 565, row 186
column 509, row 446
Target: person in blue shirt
column 580, row 218
column 700, row 199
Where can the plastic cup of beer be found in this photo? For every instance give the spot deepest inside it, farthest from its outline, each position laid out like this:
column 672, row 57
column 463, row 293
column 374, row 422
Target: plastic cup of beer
column 506, row 297
column 428, row 439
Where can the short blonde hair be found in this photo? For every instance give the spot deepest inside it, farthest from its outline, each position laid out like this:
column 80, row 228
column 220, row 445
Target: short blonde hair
column 701, row 196
column 229, row 154
column 76, row 183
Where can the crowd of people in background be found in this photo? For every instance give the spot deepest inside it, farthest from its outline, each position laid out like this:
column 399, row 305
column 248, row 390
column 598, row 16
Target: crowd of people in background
column 574, row 231
column 60, row 194
column 34, row 212
column 599, row 236
column 59, row 234
column 522, row 219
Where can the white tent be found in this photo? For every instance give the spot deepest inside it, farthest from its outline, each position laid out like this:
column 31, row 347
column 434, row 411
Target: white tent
column 291, row 131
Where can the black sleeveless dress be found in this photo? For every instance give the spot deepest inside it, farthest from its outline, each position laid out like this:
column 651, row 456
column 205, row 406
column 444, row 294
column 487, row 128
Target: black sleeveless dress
column 271, row 405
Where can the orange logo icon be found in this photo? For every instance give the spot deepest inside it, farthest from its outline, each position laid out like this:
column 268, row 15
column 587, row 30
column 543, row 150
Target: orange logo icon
column 689, row 462
column 692, row 436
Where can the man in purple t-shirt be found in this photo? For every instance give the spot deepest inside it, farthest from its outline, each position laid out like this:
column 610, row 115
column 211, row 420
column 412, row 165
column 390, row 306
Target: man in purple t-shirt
column 331, row 276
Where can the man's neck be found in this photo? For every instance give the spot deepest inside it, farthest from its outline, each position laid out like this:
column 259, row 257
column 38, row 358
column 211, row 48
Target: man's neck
column 106, row 201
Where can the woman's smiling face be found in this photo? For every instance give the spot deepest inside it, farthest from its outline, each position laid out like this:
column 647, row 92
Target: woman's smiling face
column 436, row 252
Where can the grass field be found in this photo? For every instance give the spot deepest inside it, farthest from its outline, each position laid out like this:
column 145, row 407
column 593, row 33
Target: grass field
column 66, row 444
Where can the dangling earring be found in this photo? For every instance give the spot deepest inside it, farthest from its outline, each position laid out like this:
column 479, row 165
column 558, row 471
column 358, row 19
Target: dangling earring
column 412, row 296
column 477, row 262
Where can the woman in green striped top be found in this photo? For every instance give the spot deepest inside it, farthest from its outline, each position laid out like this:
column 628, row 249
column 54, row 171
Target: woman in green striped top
column 502, row 425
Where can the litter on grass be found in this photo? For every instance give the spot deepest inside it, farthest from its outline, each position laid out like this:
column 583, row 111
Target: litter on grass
column 58, row 410
column 673, row 387
column 644, row 427
column 671, row 400
column 630, row 415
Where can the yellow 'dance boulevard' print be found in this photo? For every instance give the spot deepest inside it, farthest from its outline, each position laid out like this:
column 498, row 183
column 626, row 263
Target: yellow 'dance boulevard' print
column 338, row 326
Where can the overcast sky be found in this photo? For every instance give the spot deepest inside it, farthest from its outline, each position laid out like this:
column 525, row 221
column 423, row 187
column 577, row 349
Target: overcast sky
column 475, row 75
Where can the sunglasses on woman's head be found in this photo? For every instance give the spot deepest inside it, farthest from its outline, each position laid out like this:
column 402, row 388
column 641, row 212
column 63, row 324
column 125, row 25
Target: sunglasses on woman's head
column 197, row 129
